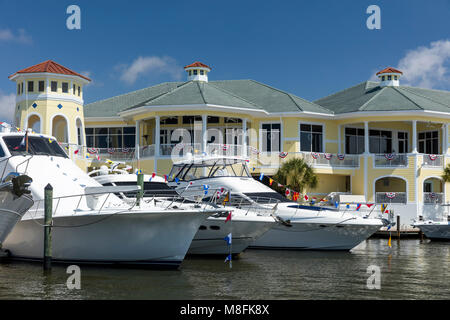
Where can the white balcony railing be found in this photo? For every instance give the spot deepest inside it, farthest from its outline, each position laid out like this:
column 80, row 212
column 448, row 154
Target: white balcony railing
column 433, row 197
column 390, row 160
column 433, row 160
column 391, row 197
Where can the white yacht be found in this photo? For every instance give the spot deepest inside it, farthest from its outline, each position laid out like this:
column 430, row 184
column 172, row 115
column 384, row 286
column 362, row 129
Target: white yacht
column 304, row 227
column 435, row 229
column 90, row 223
column 246, row 225
column 14, row 202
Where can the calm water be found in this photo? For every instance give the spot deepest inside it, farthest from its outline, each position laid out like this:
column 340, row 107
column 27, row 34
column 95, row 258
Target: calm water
column 409, row 270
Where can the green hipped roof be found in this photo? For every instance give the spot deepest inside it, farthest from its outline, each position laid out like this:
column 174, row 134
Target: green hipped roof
column 246, row 94
column 369, row 96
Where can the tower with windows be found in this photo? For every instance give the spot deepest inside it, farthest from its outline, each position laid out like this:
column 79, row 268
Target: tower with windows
column 389, row 77
column 49, row 100
column 197, row 71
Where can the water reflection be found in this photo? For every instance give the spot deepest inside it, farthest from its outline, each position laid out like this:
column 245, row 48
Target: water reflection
column 410, row 269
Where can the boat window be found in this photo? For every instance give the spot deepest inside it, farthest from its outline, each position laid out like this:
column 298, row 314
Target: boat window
column 209, row 169
column 2, row 152
column 150, row 188
column 36, row 146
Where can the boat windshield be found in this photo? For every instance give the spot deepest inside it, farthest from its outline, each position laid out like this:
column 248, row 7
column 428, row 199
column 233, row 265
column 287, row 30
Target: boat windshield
column 36, row 146
column 209, row 169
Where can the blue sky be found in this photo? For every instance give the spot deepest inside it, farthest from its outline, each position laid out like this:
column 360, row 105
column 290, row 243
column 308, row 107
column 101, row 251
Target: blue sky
column 308, row 48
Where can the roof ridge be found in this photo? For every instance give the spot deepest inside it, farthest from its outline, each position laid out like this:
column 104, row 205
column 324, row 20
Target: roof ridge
column 396, row 89
column 201, row 92
column 162, row 95
column 345, row 90
column 130, row 93
column 235, row 95
column 375, row 95
column 307, row 101
column 425, row 97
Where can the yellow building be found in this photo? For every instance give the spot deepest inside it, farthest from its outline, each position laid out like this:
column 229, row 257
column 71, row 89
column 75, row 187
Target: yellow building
column 378, row 139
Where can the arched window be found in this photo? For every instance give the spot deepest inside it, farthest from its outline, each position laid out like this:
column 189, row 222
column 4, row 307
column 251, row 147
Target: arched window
column 34, row 122
column 59, row 129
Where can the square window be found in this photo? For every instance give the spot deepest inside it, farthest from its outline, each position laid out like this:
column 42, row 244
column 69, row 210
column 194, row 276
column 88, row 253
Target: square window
column 389, row 77
column 18, row 88
column 30, row 86
column 65, row 87
column 74, row 89
column 54, row 86
column 41, row 86
column 79, row 91
column 195, row 72
column 202, row 72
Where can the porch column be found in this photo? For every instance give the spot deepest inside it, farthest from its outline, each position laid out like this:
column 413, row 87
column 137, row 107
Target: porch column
column 244, row 137
column 444, row 138
column 157, row 136
column 366, row 137
column 414, row 136
column 137, row 141
column 339, row 140
column 204, row 128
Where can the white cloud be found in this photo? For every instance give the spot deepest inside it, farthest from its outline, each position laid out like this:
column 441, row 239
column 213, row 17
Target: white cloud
column 151, row 65
column 427, row 66
column 7, row 105
column 21, row 36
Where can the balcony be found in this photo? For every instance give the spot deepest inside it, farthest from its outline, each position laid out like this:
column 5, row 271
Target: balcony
column 391, row 197
column 433, row 198
column 390, row 160
column 433, row 160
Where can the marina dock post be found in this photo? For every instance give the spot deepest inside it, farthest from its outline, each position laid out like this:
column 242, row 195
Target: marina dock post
column 48, row 221
column 398, row 226
column 140, row 182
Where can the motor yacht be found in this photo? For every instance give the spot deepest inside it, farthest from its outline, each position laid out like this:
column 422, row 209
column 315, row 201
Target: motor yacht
column 437, row 228
column 246, row 225
column 15, row 200
column 91, row 224
column 303, row 227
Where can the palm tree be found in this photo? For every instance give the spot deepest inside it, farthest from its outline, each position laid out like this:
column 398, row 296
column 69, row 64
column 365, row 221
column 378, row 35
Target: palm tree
column 446, row 175
column 296, row 174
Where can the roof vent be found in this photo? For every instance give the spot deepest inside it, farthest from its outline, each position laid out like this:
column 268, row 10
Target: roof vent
column 389, row 77
column 197, row 71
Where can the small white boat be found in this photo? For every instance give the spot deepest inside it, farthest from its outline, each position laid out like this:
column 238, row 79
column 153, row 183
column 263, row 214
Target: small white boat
column 14, row 202
column 90, row 223
column 305, row 227
column 246, row 225
column 434, row 230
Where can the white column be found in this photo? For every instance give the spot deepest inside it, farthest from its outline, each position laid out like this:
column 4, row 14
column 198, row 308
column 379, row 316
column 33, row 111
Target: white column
column 366, row 137
column 137, row 139
column 244, row 137
column 444, row 138
column 204, row 127
column 414, row 136
column 339, row 140
column 157, row 136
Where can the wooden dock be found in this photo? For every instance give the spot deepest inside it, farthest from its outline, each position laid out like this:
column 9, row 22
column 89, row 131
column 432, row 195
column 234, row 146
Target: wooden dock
column 406, row 232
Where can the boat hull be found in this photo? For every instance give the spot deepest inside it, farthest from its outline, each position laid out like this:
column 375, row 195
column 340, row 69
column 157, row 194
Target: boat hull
column 436, row 231
column 12, row 209
column 313, row 236
column 135, row 238
column 211, row 240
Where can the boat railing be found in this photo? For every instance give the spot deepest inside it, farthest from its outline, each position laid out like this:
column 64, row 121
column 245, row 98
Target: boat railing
column 128, row 202
column 6, row 160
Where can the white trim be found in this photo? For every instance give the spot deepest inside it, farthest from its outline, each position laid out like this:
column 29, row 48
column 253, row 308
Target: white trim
column 97, row 119
column 67, row 97
column 47, row 75
column 83, row 130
